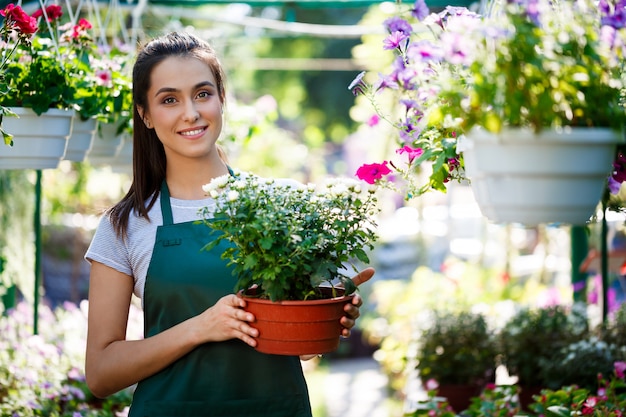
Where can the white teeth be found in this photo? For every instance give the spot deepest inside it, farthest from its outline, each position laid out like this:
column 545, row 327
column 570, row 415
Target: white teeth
column 192, row 132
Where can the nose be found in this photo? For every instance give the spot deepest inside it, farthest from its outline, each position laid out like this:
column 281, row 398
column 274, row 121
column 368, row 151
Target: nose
column 191, row 113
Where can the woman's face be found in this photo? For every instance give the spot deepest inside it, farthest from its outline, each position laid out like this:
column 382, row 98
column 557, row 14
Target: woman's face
column 184, row 107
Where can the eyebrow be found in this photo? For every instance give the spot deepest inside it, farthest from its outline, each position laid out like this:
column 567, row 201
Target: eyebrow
column 174, row 90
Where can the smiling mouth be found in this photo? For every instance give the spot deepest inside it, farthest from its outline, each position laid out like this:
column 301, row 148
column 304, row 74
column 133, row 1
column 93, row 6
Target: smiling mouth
column 192, row 132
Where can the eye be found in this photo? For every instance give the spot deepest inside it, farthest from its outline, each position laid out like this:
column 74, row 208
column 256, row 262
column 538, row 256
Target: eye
column 204, row 94
column 169, row 100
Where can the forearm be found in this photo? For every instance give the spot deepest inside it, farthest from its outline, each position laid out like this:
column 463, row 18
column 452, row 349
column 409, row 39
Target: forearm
column 123, row 363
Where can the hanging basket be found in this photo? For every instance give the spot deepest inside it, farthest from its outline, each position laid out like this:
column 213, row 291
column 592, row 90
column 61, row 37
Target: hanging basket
column 123, row 162
column 81, row 139
column 555, row 176
column 106, row 145
column 39, row 142
column 298, row 327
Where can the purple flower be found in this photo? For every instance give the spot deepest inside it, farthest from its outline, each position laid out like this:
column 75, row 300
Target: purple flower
column 358, row 85
column 424, row 51
column 394, row 40
column 385, row 81
column 397, row 24
column 420, row 10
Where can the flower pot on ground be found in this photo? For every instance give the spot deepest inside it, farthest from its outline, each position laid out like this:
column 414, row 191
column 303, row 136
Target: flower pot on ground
column 39, row 141
column 286, row 239
column 457, row 350
column 553, row 176
column 532, row 339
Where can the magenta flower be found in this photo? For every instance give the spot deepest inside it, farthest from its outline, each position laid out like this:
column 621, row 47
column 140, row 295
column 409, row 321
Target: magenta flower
column 411, row 152
column 370, row 173
column 373, row 120
column 620, row 369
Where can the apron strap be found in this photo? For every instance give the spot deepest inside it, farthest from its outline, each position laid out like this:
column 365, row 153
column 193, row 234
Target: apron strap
column 166, row 207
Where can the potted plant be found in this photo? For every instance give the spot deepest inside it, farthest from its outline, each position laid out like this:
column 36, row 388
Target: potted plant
column 525, row 73
column 457, row 350
column 285, row 241
column 532, row 338
column 36, row 83
column 60, row 69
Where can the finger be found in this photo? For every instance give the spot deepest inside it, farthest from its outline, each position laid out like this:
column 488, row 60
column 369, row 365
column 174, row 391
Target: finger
column 363, row 276
column 357, row 300
column 352, row 311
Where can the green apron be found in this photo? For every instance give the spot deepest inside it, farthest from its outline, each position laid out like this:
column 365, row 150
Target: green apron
column 218, row 379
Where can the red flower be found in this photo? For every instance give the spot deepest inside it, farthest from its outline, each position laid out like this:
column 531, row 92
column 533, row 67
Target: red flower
column 372, row 172
column 18, row 19
column 53, row 12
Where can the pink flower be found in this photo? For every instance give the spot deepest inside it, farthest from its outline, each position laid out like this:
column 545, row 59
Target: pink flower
column 620, row 368
column 412, row 152
column 18, row 19
column 373, row 121
column 370, row 173
column 53, row 12
column 431, row 384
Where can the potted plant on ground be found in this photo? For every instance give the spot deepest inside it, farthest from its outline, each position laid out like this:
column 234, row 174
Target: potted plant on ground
column 529, row 72
column 286, row 240
column 458, row 350
column 532, row 339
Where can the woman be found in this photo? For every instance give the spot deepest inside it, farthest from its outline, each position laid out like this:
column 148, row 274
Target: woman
column 197, row 356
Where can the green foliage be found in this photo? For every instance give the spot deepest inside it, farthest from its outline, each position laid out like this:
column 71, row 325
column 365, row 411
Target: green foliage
column 37, row 78
column 607, row 399
column 456, row 348
column 287, row 238
column 533, row 338
column 495, row 401
column 565, row 367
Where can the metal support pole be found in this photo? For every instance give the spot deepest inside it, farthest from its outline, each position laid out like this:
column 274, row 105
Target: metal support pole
column 579, row 250
column 604, row 265
column 37, row 229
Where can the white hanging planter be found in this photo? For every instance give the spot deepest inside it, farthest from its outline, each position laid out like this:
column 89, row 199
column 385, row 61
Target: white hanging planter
column 123, row 163
column 39, row 142
column 81, row 139
column 555, row 176
column 106, row 145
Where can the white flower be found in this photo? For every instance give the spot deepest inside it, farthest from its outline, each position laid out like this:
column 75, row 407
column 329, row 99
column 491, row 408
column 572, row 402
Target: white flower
column 232, row 195
column 239, row 185
column 221, row 181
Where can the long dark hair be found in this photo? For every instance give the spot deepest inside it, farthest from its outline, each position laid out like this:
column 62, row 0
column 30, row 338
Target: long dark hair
column 148, row 153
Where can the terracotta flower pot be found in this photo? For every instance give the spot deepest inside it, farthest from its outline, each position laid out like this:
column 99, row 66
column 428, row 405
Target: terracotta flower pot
column 459, row 396
column 298, row 327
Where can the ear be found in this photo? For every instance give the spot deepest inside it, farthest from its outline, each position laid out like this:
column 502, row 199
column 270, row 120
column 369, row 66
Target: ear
column 144, row 117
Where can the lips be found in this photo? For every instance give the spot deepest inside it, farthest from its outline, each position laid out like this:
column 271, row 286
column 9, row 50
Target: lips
column 193, row 132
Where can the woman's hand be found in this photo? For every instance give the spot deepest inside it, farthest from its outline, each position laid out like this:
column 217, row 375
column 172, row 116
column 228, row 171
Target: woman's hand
column 227, row 319
column 352, row 309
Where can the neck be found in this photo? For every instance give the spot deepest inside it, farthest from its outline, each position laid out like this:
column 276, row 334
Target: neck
column 185, row 180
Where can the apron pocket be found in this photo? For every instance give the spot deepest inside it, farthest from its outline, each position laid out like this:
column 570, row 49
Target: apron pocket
column 271, row 407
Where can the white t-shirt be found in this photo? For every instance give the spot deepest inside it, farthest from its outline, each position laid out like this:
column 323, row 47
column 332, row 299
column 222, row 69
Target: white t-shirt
column 132, row 256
